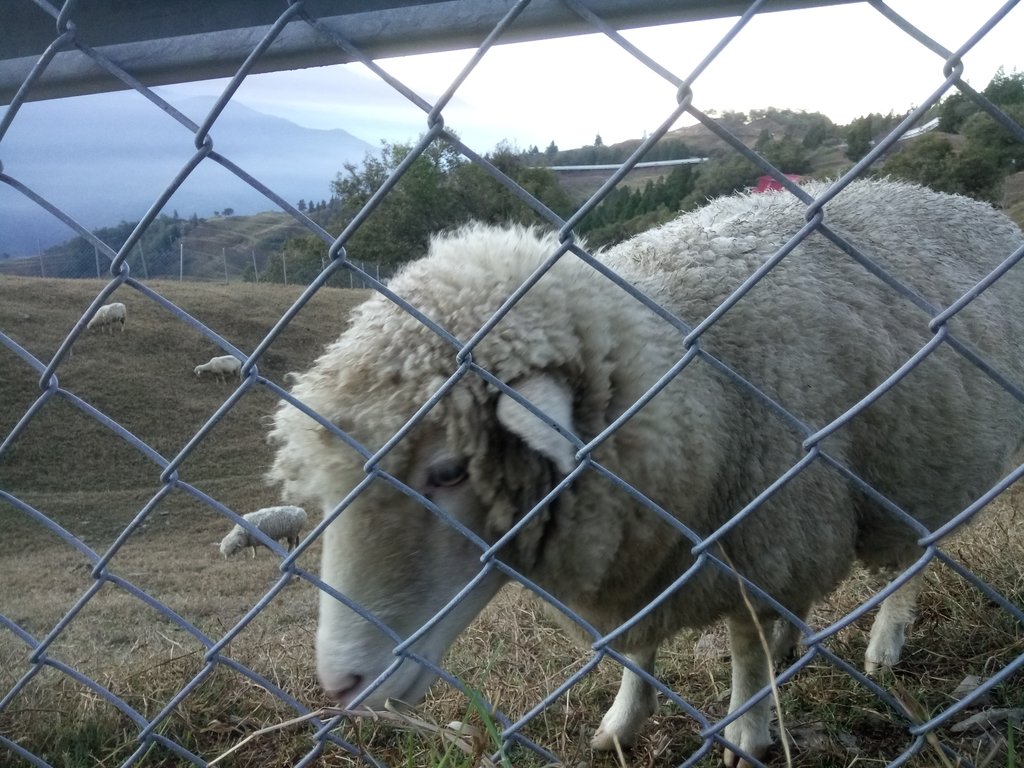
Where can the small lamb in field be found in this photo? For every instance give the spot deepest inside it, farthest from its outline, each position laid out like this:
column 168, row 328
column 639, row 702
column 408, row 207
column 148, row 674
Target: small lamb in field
column 221, row 367
column 107, row 315
column 285, row 522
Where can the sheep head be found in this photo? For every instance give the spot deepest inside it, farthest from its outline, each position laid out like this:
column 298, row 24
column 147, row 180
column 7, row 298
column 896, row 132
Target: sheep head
column 476, row 463
column 236, row 540
column 398, row 549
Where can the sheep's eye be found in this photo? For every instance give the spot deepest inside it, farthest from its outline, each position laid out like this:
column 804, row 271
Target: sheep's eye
column 447, row 474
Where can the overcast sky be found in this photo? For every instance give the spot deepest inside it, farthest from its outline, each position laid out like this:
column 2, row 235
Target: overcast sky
column 844, row 61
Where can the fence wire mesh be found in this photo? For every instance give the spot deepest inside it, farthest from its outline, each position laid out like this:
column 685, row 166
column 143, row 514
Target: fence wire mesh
column 77, row 612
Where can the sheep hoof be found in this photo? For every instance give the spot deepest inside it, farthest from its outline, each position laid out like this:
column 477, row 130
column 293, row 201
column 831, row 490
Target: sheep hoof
column 731, row 760
column 606, row 740
column 873, row 665
column 749, row 740
column 883, row 652
column 635, row 702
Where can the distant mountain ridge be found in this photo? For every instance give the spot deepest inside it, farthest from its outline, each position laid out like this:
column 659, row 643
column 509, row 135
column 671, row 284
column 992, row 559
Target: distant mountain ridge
column 107, row 158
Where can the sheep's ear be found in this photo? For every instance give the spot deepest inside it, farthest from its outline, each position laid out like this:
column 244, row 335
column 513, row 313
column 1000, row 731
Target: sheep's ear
column 554, row 399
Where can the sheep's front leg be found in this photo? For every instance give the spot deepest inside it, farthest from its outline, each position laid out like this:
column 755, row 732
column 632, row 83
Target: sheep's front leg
column 750, row 673
column 889, row 630
column 634, row 703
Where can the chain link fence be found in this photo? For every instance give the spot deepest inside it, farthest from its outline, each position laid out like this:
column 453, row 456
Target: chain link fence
column 119, row 587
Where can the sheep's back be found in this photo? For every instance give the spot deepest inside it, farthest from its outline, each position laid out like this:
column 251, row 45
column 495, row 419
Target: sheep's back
column 820, row 332
column 278, row 522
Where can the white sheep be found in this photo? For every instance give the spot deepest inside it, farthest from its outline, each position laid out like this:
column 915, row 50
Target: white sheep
column 817, row 334
column 284, row 522
column 221, row 367
column 107, row 315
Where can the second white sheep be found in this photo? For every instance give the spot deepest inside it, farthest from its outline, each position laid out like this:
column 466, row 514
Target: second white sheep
column 285, row 522
column 221, row 367
column 107, row 316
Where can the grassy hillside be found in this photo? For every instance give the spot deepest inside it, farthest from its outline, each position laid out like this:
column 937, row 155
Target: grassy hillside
column 94, row 485
column 143, row 379
column 238, row 238
column 244, row 231
column 828, row 161
column 219, row 248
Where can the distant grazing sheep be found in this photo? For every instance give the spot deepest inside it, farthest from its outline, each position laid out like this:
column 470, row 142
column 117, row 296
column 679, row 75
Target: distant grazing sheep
column 221, row 367
column 817, row 335
column 107, row 315
column 277, row 523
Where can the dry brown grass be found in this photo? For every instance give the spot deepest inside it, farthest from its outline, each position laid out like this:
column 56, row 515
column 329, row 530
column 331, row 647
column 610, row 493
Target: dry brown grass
column 93, row 485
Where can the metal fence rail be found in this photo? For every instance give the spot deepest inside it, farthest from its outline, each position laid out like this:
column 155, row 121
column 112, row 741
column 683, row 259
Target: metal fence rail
column 205, row 45
column 124, row 273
